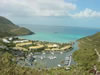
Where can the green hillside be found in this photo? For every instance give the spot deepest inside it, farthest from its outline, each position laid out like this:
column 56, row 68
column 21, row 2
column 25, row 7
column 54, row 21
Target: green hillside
column 87, row 55
column 7, row 28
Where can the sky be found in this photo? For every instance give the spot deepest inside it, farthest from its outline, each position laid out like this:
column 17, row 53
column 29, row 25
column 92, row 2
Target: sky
column 83, row 13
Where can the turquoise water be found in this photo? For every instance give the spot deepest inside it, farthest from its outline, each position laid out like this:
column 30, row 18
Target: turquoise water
column 53, row 37
column 58, row 33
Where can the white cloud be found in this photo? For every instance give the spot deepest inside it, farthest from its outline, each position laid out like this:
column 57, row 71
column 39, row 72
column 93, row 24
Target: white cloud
column 87, row 13
column 35, row 7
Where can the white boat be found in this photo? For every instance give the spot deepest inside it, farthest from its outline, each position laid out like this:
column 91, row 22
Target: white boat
column 35, row 56
column 61, row 52
column 35, row 60
column 67, row 68
column 59, row 65
column 41, row 58
column 52, row 57
column 44, row 53
column 52, row 53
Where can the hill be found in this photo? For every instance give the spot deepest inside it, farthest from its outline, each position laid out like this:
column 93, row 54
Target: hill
column 7, row 28
column 88, row 54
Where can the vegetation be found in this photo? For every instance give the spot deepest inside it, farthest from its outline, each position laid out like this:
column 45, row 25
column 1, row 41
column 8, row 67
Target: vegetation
column 86, row 56
column 7, row 28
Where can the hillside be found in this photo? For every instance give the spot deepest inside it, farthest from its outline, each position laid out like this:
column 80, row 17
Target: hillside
column 88, row 54
column 7, row 28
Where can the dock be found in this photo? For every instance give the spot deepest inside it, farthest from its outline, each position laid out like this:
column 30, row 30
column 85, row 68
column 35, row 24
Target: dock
column 68, row 61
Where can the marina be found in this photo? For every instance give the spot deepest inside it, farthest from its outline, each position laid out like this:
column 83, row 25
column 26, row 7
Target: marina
column 50, row 59
column 39, row 54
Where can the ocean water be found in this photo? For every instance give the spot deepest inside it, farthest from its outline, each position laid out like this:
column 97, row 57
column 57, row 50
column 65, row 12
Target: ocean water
column 58, row 33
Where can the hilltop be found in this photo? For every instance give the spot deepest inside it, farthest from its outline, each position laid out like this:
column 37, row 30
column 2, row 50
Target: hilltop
column 8, row 28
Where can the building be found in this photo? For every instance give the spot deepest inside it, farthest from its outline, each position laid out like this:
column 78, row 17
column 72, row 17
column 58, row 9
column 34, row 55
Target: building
column 36, row 47
column 66, row 47
column 53, row 46
column 5, row 41
column 20, row 41
column 24, row 44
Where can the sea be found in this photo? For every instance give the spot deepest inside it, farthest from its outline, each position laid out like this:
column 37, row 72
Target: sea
column 59, row 34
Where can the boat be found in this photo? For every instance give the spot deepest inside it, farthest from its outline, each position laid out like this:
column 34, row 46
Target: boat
column 35, row 60
column 61, row 52
column 59, row 65
column 52, row 57
column 43, row 53
column 52, row 53
column 41, row 58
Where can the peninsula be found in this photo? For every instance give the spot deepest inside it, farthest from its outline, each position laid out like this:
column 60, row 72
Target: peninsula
column 7, row 28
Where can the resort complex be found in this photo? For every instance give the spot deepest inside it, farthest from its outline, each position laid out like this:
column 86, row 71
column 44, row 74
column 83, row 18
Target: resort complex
column 35, row 46
column 32, row 52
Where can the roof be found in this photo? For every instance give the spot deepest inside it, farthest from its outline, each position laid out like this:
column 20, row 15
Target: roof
column 54, row 45
column 36, row 47
column 66, row 47
column 22, row 44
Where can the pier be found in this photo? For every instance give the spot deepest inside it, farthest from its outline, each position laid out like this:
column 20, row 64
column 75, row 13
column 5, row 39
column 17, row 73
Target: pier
column 68, row 61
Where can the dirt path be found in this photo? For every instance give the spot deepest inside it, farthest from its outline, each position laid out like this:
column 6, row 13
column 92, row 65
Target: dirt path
column 97, row 54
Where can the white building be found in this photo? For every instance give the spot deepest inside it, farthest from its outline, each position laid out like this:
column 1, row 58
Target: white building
column 5, row 41
column 10, row 38
column 20, row 41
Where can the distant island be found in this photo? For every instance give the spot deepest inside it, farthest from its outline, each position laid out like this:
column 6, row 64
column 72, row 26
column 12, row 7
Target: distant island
column 8, row 28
